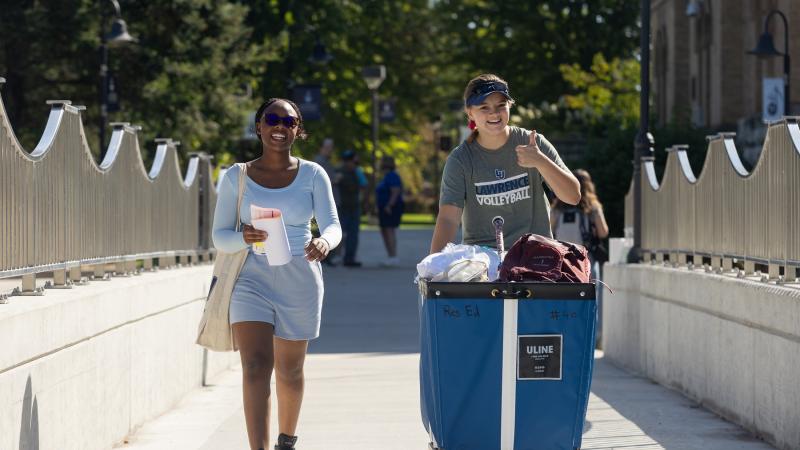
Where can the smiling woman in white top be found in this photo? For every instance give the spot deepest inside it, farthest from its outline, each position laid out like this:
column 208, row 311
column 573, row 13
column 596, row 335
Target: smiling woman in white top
column 276, row 310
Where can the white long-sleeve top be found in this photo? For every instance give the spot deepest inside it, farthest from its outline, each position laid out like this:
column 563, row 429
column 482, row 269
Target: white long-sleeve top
column 309, row 195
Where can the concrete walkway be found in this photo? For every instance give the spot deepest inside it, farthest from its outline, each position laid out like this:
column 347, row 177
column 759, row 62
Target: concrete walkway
column 362, row 388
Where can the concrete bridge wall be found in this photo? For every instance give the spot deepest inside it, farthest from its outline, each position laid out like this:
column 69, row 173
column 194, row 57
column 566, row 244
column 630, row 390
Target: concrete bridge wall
column 732, row 345
column 81, row 368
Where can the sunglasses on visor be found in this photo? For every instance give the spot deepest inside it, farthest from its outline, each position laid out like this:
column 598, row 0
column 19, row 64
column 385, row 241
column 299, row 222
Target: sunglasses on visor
column 272, row 120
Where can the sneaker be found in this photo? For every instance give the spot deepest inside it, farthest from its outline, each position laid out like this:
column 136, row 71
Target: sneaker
column 392, row 261
column 352, row 264
column 285, row 442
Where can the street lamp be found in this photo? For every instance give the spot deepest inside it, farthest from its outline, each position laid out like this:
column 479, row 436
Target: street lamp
column 118, row 36
column 643, row 147
column 766, row 49
column 374, row 76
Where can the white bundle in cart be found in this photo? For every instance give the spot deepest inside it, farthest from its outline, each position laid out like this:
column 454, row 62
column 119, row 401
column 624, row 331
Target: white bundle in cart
column 460, row 262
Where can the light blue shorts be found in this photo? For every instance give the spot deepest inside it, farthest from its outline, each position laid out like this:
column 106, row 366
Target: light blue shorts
column 289, row 297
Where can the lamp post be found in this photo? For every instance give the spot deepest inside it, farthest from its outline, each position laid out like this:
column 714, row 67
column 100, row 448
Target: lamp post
column 436, row 126
column 374, row 76
column 766, row 49
column 643, row 147
column 118, row 36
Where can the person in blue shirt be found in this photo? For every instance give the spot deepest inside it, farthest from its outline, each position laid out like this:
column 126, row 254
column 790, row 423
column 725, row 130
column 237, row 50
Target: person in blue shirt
column 389, row 200
column 276, row 310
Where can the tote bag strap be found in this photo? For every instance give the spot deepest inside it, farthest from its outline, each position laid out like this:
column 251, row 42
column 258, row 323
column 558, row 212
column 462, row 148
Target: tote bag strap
column 242, row 176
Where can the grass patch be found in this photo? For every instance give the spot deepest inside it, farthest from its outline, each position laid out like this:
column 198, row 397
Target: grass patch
column 410, row 221
column 418, row 219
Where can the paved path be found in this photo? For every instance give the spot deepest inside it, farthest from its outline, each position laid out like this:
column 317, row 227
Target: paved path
column 362, row 390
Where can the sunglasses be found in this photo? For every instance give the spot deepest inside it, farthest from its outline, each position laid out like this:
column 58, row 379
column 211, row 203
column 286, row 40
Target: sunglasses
column 274, row 119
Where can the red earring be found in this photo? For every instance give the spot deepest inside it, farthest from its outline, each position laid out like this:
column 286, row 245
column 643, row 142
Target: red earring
column 472, row 125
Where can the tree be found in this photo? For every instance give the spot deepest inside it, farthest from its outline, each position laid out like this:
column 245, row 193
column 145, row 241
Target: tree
column 44, row 54
column 607, row 94
column 183, row 79
column 527, row 42
column 605, row 104
column 196, row 61
column 402, row 35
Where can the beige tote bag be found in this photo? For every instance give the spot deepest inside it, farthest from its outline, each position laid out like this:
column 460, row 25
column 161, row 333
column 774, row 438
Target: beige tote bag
column 214, row 332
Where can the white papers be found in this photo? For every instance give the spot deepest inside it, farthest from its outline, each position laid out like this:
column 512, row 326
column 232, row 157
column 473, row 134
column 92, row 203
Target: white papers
column 276, row 247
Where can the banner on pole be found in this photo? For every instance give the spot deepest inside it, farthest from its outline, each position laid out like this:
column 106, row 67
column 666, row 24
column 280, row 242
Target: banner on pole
column 773, row 95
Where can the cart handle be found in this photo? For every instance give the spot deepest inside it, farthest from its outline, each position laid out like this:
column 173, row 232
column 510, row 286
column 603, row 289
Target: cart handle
column 524, row 293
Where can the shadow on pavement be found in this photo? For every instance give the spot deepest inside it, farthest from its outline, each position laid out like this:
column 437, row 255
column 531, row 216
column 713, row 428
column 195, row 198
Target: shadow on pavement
column 373, row 309
column 664, row 416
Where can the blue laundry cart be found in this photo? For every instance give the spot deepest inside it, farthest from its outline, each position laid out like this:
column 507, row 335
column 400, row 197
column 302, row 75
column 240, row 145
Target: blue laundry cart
column 506, row 366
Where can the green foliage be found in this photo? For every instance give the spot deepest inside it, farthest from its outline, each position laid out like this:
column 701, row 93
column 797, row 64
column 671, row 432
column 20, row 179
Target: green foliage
column 526, row 41
column 603, row 98
column 604, row 109
column 183, row 79
column 193, row 66
column 47, row 51
column 607, row 94
column 400, row 35
column 609, row 161
column 202, row 66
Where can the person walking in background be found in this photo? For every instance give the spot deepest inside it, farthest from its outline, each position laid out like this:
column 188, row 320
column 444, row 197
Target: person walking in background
column 276, row 310
column 351, row 182
column 584, row 224
column 323, row 158
column 389, row 201
column 498, row 171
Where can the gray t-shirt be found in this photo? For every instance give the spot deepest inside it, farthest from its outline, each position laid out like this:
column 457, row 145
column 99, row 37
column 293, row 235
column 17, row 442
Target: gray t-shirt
column 489, row 183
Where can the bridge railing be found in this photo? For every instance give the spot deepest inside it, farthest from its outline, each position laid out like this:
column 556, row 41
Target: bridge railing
column 727, row 217
column 60, row 211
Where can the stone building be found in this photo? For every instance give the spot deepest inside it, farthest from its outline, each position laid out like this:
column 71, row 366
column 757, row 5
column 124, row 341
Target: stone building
column 702, row 73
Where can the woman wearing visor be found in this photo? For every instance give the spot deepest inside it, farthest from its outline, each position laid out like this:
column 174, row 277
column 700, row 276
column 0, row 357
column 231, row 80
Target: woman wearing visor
column 498, row 171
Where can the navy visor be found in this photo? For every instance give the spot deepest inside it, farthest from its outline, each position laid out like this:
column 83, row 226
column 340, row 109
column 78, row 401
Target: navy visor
column 484, row 90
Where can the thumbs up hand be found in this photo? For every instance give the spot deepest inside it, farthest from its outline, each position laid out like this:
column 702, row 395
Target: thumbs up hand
column 529, row 155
